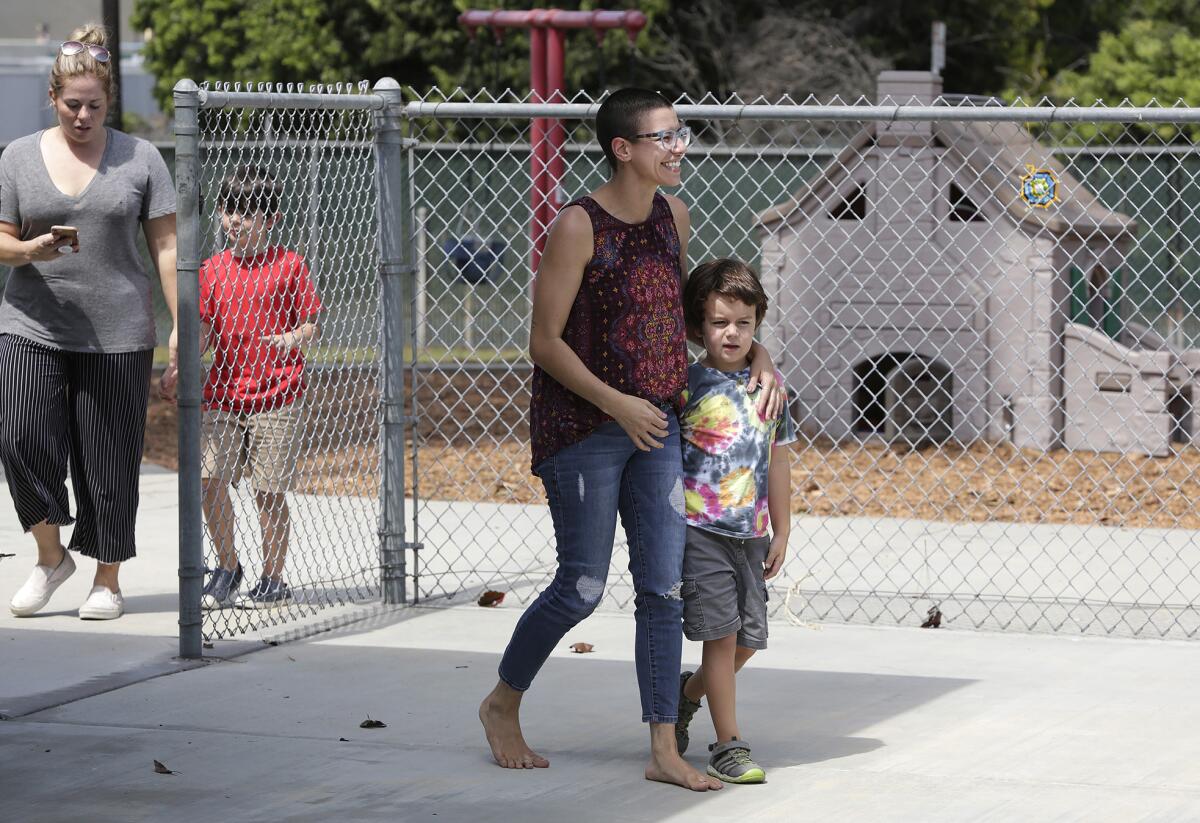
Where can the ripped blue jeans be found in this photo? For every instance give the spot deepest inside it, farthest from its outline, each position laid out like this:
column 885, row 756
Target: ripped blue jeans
column 587, row 485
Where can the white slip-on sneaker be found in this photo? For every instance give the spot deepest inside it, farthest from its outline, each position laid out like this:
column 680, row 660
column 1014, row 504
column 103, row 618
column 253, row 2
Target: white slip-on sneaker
column 35, row 594
column 102, row 604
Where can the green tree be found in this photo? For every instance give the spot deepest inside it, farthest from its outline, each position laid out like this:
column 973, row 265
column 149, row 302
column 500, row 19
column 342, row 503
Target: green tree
column 984, row 38
column 591, row 65
column 689, row 46
column 1153, row 56
column 1063, row 39
column 418, row 42
column 992, row 47
column 255, row 41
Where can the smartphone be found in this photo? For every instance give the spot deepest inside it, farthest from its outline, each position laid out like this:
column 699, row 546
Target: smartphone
column 68, row 233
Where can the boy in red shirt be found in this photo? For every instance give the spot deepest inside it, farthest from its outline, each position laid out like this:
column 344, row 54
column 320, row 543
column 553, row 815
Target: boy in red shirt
column 258, row 309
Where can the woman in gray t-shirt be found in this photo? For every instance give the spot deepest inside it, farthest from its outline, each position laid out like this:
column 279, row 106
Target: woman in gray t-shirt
column 77, row 325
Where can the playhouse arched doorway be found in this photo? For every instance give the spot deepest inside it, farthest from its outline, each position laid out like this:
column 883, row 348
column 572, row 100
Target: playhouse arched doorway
column 870, row 388
column 919, row 401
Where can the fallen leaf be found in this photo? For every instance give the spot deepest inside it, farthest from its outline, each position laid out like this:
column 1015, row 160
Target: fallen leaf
column 491, row 598
column 159, row 768
column 372, row 724
column 934, row 618
column 581, row 648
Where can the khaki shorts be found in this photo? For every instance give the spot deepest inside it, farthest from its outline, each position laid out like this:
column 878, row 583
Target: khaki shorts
column 263, row 442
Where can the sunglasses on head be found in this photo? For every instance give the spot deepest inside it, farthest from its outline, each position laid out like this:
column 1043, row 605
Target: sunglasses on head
column 72, row 47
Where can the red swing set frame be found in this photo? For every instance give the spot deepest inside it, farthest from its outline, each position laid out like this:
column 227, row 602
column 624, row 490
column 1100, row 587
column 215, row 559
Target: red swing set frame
column 547, row 135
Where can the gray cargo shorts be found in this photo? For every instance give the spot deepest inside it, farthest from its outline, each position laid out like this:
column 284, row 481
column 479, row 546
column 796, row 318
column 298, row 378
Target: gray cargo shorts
column 723, row 587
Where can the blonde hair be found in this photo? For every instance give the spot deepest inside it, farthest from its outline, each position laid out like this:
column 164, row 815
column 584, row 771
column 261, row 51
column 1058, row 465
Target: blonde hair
column 83, row 64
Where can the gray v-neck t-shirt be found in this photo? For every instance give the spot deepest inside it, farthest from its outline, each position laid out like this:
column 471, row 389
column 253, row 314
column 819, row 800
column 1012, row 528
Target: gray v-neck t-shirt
column 98, row 300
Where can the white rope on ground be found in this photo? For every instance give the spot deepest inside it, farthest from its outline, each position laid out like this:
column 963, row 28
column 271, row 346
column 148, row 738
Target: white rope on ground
column 793, row 615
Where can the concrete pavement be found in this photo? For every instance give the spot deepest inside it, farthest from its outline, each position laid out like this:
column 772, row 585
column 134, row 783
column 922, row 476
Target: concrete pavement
column 852, row 723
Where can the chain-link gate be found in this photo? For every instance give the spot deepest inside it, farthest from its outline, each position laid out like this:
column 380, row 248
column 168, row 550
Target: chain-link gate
column 278, row 193
column 986, row 317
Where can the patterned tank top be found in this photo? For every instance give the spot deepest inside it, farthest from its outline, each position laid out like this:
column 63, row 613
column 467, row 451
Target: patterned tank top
column 626, row 325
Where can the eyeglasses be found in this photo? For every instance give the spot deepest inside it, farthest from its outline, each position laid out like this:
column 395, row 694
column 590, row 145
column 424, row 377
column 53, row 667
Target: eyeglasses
column 667, row 138
column 72, row 47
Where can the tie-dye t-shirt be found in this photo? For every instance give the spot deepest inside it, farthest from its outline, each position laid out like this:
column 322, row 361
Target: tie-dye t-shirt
column 726, row 452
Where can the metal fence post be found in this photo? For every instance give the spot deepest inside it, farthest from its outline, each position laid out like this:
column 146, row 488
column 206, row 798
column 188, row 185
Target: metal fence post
column 395, row 253
column 191, row 539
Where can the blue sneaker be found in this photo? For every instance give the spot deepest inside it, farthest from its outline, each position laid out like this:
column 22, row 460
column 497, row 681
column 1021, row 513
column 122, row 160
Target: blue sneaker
column 221, row 588
column 267, row 592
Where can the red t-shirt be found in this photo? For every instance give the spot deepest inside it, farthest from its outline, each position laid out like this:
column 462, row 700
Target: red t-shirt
column 245, row 299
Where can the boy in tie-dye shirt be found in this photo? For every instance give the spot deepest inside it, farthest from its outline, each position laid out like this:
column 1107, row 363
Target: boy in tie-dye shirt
column 736, row 484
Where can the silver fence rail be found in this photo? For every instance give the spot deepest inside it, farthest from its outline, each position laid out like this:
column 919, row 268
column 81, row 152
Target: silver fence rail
column 986, row 317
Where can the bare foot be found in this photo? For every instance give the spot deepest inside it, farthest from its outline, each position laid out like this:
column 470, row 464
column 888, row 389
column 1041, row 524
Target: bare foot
column 671, row 768
column 503, row 729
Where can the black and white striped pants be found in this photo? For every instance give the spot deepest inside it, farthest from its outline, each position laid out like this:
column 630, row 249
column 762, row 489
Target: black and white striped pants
column 88, row 409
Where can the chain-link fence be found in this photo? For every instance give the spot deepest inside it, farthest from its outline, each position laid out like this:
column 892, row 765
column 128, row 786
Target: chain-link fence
column 986, row 317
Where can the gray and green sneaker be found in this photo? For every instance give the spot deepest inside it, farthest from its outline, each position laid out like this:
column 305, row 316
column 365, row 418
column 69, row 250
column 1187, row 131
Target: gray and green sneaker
column 731, row 762
column 687, row 708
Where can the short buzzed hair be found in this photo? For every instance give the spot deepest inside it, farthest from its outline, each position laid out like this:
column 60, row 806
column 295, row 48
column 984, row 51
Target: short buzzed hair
column 620, row 115
column 728, row 278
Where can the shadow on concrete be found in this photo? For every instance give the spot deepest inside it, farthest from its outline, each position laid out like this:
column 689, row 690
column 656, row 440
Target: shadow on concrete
column 287, row 721
column 43, row 669
column 333, row 619
column 166, row 603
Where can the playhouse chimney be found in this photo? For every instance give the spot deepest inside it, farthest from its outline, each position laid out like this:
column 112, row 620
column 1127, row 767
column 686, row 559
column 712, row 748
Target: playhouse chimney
column 907, row 88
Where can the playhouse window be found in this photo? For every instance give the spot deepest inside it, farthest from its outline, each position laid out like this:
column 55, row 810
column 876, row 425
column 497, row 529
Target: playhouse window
column 853, row 206
column 962, row 208
column 1096, row 299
